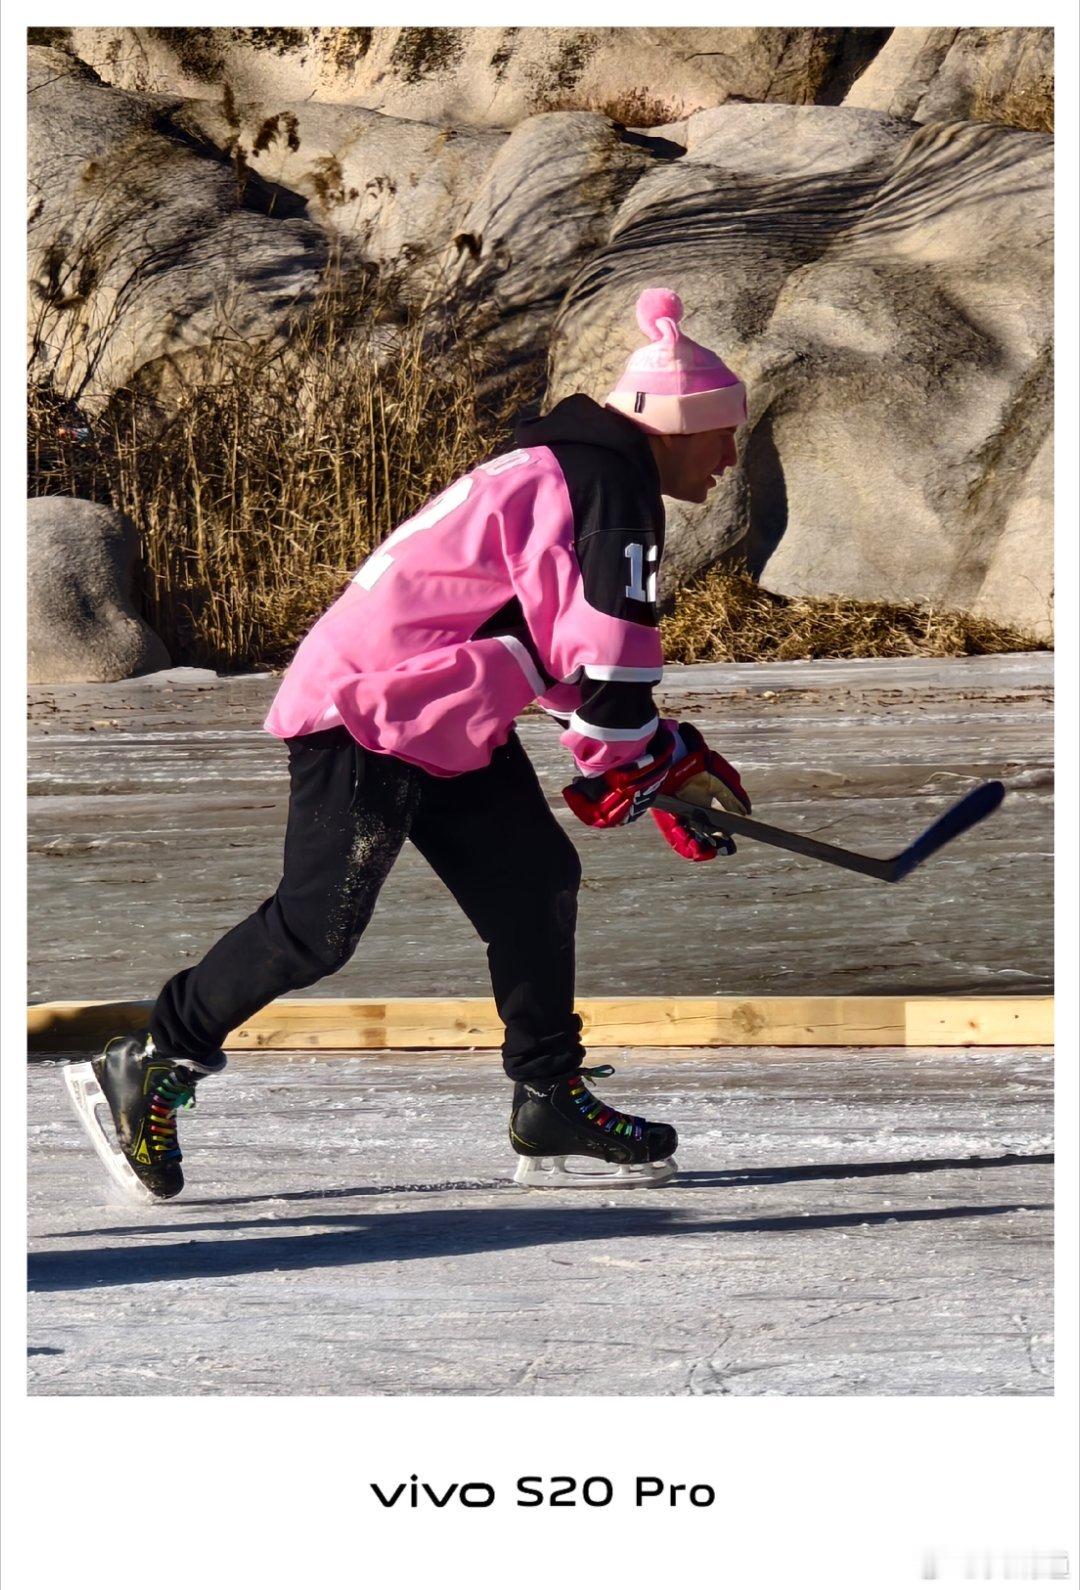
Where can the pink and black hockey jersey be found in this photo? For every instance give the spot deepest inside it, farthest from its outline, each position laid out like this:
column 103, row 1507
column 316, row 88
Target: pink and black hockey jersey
column 532, row 578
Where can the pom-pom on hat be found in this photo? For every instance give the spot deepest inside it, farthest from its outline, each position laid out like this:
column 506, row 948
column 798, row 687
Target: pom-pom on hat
column 673, row 385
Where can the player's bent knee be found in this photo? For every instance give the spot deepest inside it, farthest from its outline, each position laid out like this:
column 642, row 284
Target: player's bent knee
column 315, row 961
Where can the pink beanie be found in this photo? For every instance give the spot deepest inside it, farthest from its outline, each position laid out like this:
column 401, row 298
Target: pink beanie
column 672, row 385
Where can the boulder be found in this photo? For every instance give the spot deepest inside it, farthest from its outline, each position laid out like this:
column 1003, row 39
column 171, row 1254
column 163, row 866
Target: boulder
column 727, row 234
column 879, row 276
column 543, row 208
column 1018, row 578
column 81, row 625
column 901, row 73
column 976, row 74
column 141, row 241
column 396, row 189
column 886, row 294
column 489, row 77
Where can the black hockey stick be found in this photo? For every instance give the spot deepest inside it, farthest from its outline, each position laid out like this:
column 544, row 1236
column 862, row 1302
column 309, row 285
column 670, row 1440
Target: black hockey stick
column 976, row 804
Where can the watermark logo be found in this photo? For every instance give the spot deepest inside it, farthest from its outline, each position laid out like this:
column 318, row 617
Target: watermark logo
column 995, row 1565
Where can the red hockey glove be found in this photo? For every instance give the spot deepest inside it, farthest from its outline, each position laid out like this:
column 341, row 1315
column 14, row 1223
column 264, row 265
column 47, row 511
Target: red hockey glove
column 704, row 777
column 608, row 800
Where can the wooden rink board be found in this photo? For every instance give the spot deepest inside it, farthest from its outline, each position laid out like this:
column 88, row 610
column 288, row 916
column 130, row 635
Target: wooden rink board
column 855, row 1021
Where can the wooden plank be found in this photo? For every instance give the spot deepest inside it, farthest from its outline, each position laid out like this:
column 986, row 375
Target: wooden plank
column 83, row 1023
column 814, row 1021
column 958, row 1022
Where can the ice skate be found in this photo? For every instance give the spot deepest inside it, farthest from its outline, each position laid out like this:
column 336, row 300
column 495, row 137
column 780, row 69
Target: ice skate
column 551, row 1122
column 141, row 1093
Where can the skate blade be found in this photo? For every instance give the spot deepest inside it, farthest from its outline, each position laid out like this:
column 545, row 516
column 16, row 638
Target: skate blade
column 555, row 1172
column 86, row 1096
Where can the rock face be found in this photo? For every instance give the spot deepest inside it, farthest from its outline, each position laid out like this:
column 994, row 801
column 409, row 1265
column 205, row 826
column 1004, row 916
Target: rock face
column 543, row 209
column 81, row 625
column 490, row 77
column 976, row 74
column 138, row 241
column 886, row 295
column 878, row 270
column 396, row 189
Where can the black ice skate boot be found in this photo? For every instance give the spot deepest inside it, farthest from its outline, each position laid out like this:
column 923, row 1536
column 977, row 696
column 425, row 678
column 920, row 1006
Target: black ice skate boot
column 143, row 1093
column 552, row 1120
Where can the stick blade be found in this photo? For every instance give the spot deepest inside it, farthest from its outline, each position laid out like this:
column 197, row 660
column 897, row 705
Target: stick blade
column 975, row 805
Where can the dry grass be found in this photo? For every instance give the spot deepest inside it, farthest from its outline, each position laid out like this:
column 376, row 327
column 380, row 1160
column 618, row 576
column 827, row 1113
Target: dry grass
column 727, row 617
column 1027, row 105
column 275, row 469
column 636, row 107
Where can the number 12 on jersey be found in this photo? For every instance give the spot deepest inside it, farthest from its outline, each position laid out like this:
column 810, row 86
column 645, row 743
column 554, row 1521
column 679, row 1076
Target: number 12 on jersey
column 636, row 590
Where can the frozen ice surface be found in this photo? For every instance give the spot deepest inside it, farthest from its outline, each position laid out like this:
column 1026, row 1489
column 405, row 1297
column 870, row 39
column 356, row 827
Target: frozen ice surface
column 857, row 1222
column 157, row 811
column 845, row 1222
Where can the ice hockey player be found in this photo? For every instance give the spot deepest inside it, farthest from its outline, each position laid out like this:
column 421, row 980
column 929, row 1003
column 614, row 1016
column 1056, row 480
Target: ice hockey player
column 533, row 578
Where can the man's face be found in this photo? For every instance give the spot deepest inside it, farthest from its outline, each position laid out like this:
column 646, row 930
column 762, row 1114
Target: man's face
column 690, row 466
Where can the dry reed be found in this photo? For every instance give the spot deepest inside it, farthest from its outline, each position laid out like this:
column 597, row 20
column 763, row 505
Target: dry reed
column 727, row 617
column 1027, row 104
column 274, row 469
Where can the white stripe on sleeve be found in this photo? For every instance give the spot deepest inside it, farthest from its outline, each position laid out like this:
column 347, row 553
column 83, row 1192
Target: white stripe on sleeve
column 524, row 661
column 596, row 731
column 649, row 676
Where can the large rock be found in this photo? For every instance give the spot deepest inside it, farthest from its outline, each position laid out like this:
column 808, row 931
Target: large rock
column 760, row 193
column 886, row 294
column 543, row 209
column 81, row 625
column 976, row 74
column 141, row 243
column 396, row 189
column 883, row 287
column 490, row 77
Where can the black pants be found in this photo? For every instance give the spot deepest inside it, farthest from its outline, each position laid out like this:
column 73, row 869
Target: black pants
column 489, row 835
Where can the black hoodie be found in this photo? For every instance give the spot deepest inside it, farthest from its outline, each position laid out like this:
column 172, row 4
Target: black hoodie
column 614, row 488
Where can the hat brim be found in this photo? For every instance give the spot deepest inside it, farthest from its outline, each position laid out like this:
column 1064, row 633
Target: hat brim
column 720, row 409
